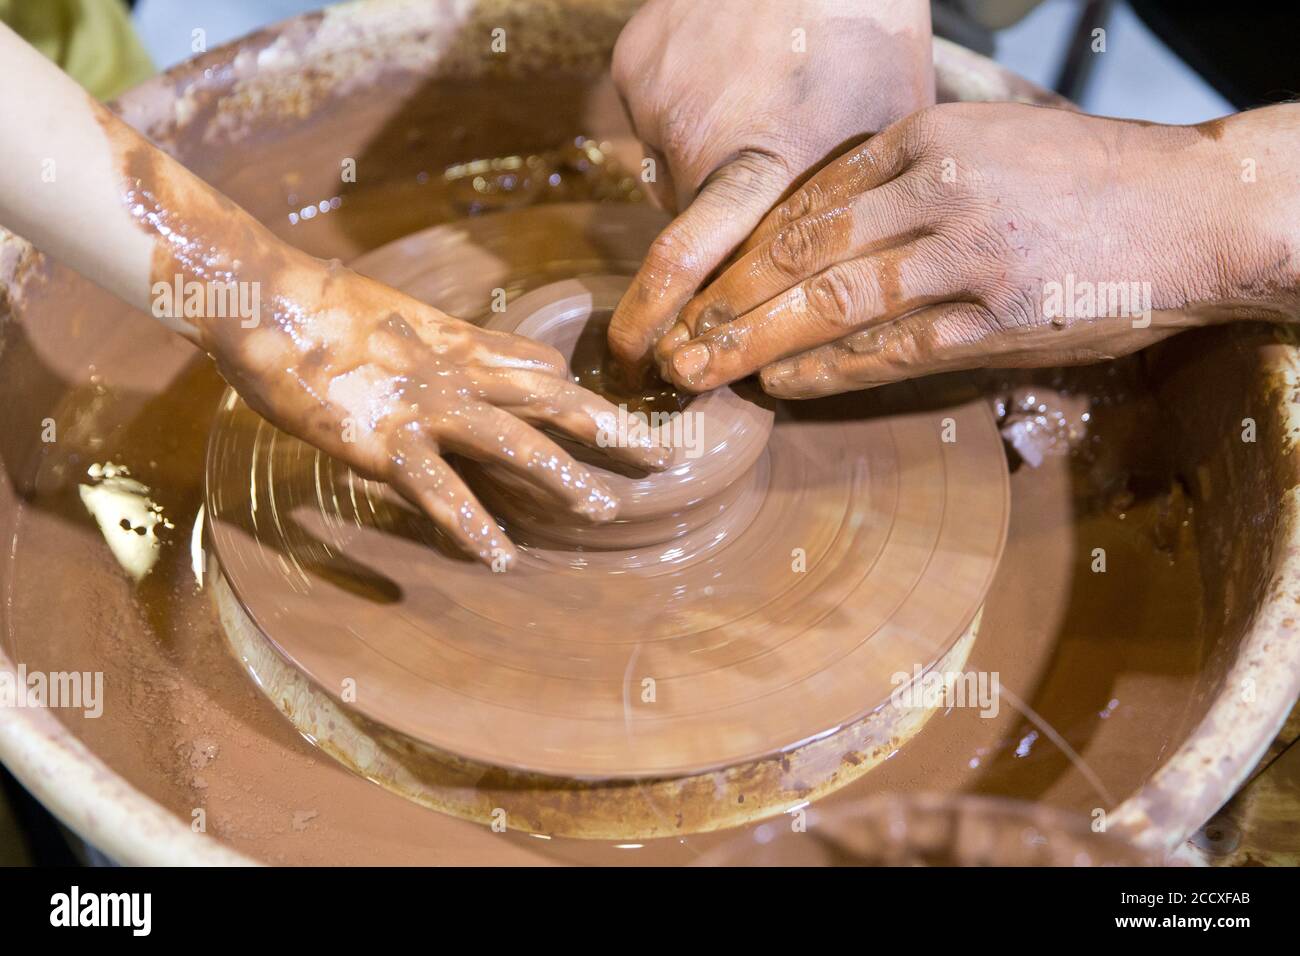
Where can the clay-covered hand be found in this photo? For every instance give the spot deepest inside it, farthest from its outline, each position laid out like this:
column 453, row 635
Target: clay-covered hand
column 734, row 101
column 1000, row 235
column 389, row 385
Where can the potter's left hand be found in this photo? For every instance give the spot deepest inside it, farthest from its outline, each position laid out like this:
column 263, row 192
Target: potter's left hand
column 1002, row 235
column 737, row 99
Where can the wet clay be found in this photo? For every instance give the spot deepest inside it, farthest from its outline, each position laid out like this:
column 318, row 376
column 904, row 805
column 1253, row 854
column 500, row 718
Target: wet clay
column 594, row 367
column 713, row 472
column 785, row 580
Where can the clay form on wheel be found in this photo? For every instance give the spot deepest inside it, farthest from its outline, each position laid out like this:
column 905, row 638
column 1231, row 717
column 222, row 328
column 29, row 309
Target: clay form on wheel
column 746, row 617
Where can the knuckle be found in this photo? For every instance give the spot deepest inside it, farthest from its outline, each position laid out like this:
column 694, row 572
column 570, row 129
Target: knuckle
column 948, row 247
column 975, row 232
column 923, row 137
column 923, row 129
column 922, row 346
column 903, row 346
column 977, row 323
column 834, row 366
column 793, row 249
column 799, row 205
column 757, row 165
column 1014, row 306
column 745, row 179
column 918, row 194
column 834, row 297
column 673, row 251
column 543, row 391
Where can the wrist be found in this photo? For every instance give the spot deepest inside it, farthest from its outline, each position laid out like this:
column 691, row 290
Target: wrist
column 1252, row 171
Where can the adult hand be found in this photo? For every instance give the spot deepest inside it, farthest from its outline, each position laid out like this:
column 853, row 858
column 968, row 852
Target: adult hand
column 1001, row 235
column 735, row 100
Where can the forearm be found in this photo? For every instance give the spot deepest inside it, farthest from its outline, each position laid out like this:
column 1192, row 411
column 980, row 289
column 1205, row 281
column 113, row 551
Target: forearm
column 60, row 187
column 86, row 188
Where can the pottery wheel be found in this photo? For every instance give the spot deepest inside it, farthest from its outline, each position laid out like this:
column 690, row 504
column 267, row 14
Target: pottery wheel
column 858, row 544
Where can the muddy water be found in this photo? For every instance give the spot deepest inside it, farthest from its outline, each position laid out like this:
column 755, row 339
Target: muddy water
column 1104, row 660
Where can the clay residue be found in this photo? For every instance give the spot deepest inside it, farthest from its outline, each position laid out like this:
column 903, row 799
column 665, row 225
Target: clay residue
column 1037, row 423
column 594, row 367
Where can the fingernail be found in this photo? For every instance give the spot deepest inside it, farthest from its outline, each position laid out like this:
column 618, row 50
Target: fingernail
column 677, row 336
column 775, row 376
column 690, row 360
column 788, row 381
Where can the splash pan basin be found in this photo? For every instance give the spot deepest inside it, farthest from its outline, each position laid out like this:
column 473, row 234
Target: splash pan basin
column 1146, row 691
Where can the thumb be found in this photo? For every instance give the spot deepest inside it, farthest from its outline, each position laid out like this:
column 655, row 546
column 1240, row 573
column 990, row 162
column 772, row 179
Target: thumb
column 730, row 204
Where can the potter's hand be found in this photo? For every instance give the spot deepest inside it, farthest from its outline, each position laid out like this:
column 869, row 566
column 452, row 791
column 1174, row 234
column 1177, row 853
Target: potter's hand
column 389, row 385
column 736, row 99
column 1000, row 235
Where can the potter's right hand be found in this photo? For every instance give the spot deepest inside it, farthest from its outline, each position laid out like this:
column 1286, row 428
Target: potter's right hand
column 737, row 99
column 1000, row 235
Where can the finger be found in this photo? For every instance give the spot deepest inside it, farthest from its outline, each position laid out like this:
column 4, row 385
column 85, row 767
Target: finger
column 891, row 352
column 727, row 207
column 505, row 350
column 493, row 436
column 816, row 311
column 429, row 483
column 456, row 338
column 869, row 166
column 948, row 338
column 543, row 400
column 866, row 223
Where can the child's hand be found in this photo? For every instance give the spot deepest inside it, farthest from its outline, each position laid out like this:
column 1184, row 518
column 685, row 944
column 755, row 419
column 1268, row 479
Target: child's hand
column 389, row 385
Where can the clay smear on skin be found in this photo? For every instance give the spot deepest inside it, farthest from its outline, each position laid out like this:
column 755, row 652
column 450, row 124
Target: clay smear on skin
column 803, row 235
column 200, row 235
